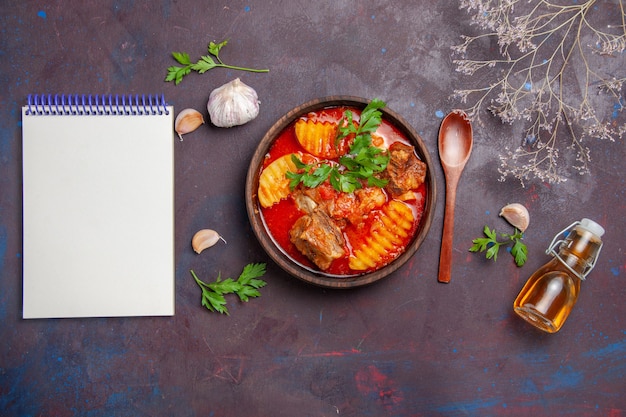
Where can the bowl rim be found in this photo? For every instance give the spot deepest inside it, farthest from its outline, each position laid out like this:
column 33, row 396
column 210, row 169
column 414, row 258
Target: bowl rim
column 277, row 254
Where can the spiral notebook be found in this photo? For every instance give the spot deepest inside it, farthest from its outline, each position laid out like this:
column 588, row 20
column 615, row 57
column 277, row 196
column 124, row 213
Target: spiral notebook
column 98, row 206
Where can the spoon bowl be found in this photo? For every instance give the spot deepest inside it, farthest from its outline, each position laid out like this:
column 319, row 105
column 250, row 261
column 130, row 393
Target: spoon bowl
column 455, row 147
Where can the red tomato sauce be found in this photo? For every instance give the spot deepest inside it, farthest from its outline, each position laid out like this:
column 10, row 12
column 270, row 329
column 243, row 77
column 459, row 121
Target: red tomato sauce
column 280, row 217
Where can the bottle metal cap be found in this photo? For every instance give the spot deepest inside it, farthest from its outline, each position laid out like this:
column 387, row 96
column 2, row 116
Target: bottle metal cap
column 592, row 227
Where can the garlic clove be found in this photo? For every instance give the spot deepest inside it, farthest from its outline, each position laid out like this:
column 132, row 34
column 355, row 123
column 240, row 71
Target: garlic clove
column 187, row 121
column 204, row 239
column 233, row 104
column 517, row 215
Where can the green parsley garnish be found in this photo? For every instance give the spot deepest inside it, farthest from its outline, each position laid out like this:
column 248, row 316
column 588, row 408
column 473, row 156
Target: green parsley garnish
column 246, row 287
column 205, row 63
column 491, row 245
column 362, row 162
column 371, row 117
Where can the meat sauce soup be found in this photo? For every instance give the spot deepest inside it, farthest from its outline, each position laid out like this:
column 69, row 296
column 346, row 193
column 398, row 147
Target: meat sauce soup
column 281, row 216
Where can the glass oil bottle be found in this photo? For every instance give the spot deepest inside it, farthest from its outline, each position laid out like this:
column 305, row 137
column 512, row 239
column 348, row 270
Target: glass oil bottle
column 550, row 293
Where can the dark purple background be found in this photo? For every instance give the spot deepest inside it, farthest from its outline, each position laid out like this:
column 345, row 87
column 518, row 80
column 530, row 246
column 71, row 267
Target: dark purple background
column 406, row 346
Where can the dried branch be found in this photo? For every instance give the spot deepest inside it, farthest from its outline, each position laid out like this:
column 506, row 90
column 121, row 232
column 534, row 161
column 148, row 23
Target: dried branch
column 547, row 74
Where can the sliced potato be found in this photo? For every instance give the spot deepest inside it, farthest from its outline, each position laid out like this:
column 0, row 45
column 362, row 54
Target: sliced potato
column 317, row 138
column 385, row 236
column 273, row 183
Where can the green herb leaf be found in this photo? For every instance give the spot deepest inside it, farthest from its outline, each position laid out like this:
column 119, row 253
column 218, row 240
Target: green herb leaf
column 296, row 178
column 245, row 287
column 491, row 246
column 346, row 127
column 249, row 282
column 250, row 272
column 492, row 251
column 176, row 74
column 519, row 252
column 480, row 244
column 317, row 176
column 344, row 182
column 228, row 286
column 310, row 175
column 181, row 58
column 204, row 64
column 299, row 164
column 215, row 48
column 376, row 182
column 371, row 117
column 214, row 302
column 491, row 234
column 476, row 247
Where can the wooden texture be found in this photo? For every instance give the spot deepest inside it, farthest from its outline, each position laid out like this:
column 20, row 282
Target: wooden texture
column 455, row 147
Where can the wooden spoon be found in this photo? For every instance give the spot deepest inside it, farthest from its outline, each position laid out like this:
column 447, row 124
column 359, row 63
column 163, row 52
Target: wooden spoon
column 455, row 147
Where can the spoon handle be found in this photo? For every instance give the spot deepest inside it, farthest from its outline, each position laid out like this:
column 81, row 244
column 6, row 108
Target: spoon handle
column 447, row 239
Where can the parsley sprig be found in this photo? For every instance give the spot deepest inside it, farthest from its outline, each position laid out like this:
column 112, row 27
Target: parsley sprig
column 362, row 162
column 206, row 62
column 371, row 117
column 491, row 245
column 245, row 287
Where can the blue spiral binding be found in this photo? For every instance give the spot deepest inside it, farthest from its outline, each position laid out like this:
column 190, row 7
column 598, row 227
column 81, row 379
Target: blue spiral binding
column 75, row 104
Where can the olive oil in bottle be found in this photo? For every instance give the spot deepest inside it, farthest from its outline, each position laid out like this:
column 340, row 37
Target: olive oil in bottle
column 551, row 292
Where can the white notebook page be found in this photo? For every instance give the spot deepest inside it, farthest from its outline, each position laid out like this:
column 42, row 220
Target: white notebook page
column 98, row 222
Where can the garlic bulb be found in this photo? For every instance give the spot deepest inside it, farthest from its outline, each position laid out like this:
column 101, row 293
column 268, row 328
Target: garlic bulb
column 187, row 121
column 233, row 104
column 517, row 215
column 204, row 239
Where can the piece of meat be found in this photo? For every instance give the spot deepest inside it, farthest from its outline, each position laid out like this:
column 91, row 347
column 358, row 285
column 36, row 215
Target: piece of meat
column 370, row 198
column 309, row 199
column 304, row 202
column 318, row 238
column 353, row 207
column 405, row 172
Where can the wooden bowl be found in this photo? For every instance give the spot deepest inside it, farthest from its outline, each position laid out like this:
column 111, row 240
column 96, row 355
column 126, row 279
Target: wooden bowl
column 287, row 263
